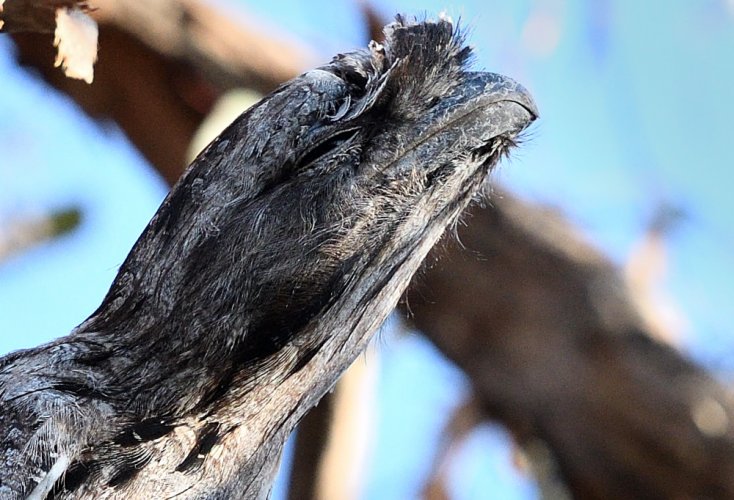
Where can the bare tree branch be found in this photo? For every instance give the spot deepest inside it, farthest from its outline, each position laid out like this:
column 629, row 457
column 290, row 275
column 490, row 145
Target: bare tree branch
column 158, row 102
column 21, row 233
column 222, row 45
column 34, row 16
column 542, row 325
column 464, row 419
column 74, row 32
column 163, row 66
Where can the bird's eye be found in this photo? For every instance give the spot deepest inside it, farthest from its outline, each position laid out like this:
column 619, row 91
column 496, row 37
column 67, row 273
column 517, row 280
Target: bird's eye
column 328, row 146
column 355, row 79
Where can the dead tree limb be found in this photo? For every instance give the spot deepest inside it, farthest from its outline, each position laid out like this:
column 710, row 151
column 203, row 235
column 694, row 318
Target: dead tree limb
column 554, row 349
column 34, row 16
column 260, row 279
column 226, row 49
column 163, row 66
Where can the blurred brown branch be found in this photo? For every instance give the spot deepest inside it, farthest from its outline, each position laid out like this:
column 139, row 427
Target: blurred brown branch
column 34, row 16
column 74, row 32
column 163, row 66
column 542, row 324
column 21, row 233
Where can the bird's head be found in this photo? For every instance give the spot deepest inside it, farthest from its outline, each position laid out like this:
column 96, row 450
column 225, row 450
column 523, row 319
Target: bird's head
column 321, row 199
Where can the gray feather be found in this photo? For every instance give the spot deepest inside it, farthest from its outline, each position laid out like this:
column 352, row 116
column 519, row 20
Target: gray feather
column 260, row 278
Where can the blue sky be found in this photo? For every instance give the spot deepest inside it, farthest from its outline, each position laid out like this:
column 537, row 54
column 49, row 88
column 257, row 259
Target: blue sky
column 636, row 106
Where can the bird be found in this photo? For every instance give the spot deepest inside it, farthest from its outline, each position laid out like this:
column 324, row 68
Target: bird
column 261, row 277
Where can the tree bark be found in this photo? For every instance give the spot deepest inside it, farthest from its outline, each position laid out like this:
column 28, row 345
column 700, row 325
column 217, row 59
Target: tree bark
column 34, row 16
column 542, row 325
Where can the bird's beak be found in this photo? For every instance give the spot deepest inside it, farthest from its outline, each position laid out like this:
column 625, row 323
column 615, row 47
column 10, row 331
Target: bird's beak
column 492, row 87
column 483, row 107
column 488, row 105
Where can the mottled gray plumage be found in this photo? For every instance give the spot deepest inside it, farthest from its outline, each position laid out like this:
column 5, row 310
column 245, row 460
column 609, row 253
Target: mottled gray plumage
column 260, row 278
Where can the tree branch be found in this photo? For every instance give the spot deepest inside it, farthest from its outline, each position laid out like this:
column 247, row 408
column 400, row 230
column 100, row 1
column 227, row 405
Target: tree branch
column 34, row 16
column 557, row 352
column 220, row 43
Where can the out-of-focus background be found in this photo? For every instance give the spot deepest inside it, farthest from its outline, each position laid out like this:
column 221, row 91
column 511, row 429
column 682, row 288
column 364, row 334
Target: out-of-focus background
column 634, row 145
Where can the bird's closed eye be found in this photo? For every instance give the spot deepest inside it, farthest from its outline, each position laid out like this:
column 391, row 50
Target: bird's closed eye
column 357, row 80
column 327, row 146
